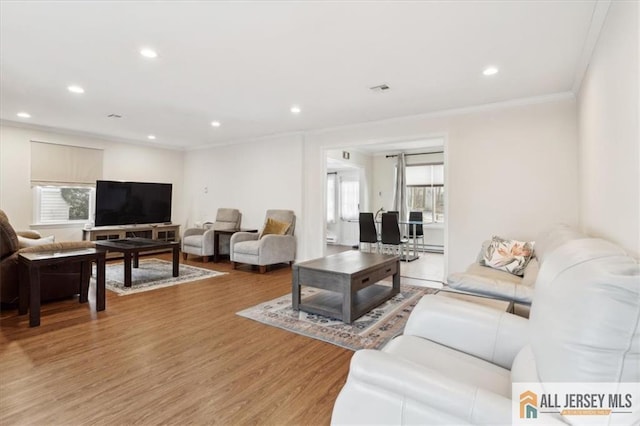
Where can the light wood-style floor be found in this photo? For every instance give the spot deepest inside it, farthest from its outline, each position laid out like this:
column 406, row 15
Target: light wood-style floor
column 177, row 355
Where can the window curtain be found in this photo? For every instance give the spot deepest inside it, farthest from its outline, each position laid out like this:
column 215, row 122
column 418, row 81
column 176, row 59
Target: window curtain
column 53, row 164
column 400, row 190
column 349, row 198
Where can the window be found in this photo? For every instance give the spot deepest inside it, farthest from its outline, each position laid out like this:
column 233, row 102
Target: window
column 331, row 197
column 59, row 204
column 425, row 191
column 63, row 179
column 349, row 198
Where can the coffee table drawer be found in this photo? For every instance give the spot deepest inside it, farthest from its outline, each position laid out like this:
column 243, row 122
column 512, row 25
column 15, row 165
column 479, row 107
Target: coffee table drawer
column 371, row 277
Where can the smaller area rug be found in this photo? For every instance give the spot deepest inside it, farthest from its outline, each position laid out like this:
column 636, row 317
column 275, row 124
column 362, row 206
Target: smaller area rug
column 371, row 331
column 150, row 275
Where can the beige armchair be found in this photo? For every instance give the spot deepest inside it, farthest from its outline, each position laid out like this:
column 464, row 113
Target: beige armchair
column 274, row 244
column 200, row 241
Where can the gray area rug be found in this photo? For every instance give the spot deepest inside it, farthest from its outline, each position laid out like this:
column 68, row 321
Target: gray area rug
column 150, row 275
column 371, row 331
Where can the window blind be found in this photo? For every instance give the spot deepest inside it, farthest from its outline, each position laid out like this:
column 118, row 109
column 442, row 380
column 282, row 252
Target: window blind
column 425, row 175
column 53, row 164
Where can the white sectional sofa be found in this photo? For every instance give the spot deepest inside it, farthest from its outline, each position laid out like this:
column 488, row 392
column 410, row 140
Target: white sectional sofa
column 456, row 361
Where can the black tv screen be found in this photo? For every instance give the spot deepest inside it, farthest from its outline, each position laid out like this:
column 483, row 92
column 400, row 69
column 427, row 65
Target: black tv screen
column 132, row 203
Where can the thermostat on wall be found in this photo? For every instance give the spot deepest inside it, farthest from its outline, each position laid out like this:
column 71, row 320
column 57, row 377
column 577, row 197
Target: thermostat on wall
column 345, row 155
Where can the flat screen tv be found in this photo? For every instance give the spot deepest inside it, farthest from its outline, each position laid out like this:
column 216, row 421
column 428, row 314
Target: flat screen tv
column 132, row 203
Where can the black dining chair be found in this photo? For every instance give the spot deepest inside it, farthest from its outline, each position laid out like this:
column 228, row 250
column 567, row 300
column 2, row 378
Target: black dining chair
column 419, row 231
column 391, row 233
column 368, row 231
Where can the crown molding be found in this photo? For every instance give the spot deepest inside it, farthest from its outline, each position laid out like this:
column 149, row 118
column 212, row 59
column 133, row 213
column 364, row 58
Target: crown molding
column 106, row 138
column 595, row 27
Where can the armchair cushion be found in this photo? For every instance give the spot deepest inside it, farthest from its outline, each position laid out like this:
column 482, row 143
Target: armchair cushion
column 275, row 227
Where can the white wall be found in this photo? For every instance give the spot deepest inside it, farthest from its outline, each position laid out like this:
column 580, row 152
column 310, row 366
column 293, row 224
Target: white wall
column 120, row 162
column 510, row 171
column 609, row 134
column 253, row 177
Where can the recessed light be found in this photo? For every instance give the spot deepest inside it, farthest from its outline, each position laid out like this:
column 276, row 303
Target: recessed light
column 215, row 123
column 295, row 109
column 75, row 89
column 152, row 137
column 23, row 115
column 148, row 53
column 490, row 71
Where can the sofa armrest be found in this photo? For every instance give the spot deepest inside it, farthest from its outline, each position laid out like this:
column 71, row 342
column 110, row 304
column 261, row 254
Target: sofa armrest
column 34, row 235
column 486, row 281
column 277, row 248
column 193, row 231
column 239, row 237
column 383, row 388
column 67, row 245
column 490, row 334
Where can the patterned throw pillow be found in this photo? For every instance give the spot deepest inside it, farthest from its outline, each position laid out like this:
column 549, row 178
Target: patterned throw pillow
column 508, row 255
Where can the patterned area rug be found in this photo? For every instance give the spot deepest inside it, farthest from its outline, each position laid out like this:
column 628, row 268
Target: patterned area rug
column 150, row 275
column 371, row 331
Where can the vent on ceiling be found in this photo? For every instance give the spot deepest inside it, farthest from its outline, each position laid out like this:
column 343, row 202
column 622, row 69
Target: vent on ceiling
column 380, row 88
column 114, row 116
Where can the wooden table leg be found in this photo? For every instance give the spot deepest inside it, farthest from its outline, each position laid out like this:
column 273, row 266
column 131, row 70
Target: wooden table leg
column 396, row 280
column 100, row 282
column 127, row 269
column 176, row 260
column 34, row 296
column 295, row 289
column 84, row 280
column 346, row 302
column 216, row 246
column 136, row 259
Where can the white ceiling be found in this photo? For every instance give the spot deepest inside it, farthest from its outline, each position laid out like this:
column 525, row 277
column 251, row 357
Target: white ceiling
column 246, row 63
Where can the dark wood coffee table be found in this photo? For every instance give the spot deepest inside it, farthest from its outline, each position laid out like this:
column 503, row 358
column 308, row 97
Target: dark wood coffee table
column 350, row 278
column 131, row 247
column 30, row 264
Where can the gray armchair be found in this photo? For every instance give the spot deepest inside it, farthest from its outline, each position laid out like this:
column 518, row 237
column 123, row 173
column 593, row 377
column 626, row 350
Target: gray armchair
column 266, row 248
column 199, row 241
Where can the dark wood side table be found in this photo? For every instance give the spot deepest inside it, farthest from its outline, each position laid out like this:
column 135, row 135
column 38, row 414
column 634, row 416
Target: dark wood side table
column 216, row 239
column 30, row 264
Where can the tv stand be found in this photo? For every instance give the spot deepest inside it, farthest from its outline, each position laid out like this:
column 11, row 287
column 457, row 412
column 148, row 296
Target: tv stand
column 154, row 231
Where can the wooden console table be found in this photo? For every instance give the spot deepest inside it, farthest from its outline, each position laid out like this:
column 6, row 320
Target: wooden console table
column 29, row 288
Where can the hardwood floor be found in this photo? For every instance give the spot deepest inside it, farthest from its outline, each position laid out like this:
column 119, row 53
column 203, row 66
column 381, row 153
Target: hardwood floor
column 177, row 355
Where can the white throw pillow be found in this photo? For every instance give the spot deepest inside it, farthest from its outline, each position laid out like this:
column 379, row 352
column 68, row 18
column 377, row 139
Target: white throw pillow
column 33, row 242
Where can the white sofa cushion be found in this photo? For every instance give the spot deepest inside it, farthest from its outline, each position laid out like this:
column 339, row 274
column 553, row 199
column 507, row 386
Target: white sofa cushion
column 456, row 365
column 584, row 322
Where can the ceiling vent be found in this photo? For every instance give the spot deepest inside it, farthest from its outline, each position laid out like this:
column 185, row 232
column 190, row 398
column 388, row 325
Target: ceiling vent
column 380, row 88
column 114, row 116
